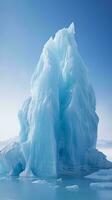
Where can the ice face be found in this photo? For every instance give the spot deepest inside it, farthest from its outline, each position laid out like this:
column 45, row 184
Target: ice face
column 12, row 161
column 58, row 120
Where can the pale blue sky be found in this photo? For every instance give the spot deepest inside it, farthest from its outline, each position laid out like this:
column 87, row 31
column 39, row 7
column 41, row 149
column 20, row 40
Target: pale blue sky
column 25, row 25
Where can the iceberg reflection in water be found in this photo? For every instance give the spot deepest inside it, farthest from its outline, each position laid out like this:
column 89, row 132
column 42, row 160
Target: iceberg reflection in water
column 24, row 189
column 33, row 189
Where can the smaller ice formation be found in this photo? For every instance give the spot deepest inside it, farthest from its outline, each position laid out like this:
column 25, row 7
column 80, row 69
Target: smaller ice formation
column 101, row 175
column 40, row 182
column 101, row 185
column 58, row 120
column 59, row 180
column 12, row 160
column 72, row 188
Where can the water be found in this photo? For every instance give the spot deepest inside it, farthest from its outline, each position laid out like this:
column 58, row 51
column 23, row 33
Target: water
column 26, row 189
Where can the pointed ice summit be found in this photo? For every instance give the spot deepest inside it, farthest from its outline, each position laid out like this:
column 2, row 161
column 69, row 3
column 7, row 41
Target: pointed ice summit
column 58, row 121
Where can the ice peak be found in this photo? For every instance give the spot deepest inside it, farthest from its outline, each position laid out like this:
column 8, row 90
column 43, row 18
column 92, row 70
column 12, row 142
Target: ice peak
column 58, row 121
column 71, row 28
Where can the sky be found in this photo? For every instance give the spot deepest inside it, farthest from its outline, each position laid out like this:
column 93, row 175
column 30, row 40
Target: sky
column 25, row 25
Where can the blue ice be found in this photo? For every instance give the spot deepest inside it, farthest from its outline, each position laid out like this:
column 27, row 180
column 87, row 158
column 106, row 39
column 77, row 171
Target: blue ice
column 58, row 120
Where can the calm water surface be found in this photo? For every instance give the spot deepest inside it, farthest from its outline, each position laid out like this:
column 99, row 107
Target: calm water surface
column 16, row 189
column 25, row 189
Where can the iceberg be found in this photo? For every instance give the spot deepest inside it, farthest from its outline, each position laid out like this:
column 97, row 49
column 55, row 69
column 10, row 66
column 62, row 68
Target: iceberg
column 40, row 182
column 101, row 175
column 101, row 185
column 12, row 161
column 72, row 188
column 58, row 120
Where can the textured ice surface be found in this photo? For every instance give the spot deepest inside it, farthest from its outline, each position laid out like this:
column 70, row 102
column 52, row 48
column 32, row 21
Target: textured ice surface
column 58, row 120
column 101, row 185
column 12, row 161
column 59, row 180
column 102, row 175
column 97, row 159
column 72, row 187
column 40, row 182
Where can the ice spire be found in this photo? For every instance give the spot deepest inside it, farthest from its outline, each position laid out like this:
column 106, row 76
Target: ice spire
column 62, row 122
column 58, row 121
